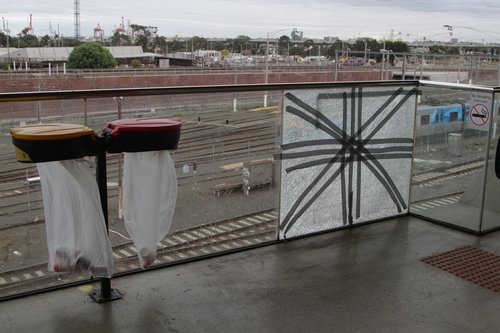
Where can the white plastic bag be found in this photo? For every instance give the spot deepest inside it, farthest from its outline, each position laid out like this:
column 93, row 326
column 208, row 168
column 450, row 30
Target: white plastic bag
column 76, row 231
column 149, row 195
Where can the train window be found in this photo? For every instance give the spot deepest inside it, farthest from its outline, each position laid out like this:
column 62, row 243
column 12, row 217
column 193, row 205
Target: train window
column 498, row 112
column 425, row 119
column 453, row 116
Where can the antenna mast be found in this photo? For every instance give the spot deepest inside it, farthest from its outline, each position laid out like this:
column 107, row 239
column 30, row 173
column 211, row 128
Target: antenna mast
column 77, row 19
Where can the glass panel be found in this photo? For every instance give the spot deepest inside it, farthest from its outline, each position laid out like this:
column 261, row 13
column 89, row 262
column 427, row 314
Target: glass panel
column 449, row 156
column 491, row 212
column 222, row 137
column 227, row 141
column 346, row 157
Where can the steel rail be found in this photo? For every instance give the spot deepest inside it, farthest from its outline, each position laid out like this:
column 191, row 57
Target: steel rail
column 152, row 91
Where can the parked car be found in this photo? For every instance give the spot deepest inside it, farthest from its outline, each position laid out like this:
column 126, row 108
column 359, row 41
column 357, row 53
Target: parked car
column 353, row 62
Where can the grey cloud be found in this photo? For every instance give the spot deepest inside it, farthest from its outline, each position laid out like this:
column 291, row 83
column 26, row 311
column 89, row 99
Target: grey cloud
column 344, row 18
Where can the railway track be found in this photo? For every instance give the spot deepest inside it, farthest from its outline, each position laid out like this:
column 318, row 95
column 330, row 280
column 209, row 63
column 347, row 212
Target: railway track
column 431, row 203
column 228, row 133
column 206, row 173
column 194, row 242
column 213, row 140
column 434, row 177
column 200, row 144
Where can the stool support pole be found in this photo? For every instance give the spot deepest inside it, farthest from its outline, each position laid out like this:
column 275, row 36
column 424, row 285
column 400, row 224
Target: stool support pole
column 106, row 293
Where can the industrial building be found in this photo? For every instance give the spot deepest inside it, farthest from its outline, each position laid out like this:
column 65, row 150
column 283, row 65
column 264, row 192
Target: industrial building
column 43, row 56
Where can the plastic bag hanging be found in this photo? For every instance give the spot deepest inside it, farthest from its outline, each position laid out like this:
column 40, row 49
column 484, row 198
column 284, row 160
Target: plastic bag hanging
column 76, row 232
column 149, row 196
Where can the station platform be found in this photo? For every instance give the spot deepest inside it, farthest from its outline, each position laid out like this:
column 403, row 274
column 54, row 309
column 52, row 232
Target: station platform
column 365, row 279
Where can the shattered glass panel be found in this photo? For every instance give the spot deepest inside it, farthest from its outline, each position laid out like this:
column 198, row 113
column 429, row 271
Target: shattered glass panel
column 346, row 157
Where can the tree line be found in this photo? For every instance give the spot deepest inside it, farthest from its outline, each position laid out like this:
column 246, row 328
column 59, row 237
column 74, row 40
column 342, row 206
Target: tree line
column 147, row 38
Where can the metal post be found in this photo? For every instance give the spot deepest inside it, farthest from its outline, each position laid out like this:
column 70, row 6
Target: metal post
column 498, row 68
column 119, row 99
column 336, row 66
column 471, row 70
column 8, row 46
column 120, row 208
column 105, row 294
column 234, row 93
column 403, row 70
column 382, row 67
column 267, row 69
column 39, row 107
column 387, row 69
column 422, row 67
column 195, row 177
column 365, row 51
column 28, row 194
column 214, row 170
column 85, row 111
column 487, row 161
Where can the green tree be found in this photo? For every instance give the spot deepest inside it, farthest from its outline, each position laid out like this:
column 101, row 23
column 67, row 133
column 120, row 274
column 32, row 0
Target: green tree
column 46, row 41
column 136, row 63
column 3, row 40
column 198, row 43
column 25, row 40
column 242, row 39
column 67, row 41
column 297, row 50
column 438, row 49
column 330, row 51
column 91, row 56
column 397, row 46
column 119, row 39
column 359, row 45
column 284, row 44
column 308, row 43
column 175, row 46
column 143, row 42
column 241, row 43
column 225, row 53
column 160, row 44
column 217, row 45
column 308, row 47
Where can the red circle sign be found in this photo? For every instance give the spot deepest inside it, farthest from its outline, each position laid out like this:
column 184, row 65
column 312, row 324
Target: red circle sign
column 479, row 114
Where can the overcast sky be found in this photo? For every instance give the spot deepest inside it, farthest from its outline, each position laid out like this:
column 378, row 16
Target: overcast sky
column 472, row 20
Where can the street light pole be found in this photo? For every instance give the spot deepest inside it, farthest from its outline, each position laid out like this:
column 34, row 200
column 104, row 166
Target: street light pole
column 498, row 68
column 365, row 50
column 384, row 75
column 267, row 69
column 267, row 63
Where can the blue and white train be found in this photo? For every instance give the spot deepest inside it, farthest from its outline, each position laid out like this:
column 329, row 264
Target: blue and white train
column 442, row 119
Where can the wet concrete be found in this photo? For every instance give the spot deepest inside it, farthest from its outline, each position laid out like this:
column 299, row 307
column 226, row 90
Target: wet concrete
column 366, row 279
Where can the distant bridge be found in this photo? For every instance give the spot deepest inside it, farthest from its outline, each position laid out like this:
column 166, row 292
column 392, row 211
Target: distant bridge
column 468, row 45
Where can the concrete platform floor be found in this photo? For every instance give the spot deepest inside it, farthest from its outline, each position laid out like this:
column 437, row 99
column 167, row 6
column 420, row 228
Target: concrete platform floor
column 366, row 279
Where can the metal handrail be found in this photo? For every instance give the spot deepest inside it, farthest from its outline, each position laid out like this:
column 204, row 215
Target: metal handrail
column 448, row 85
column 176, row 90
